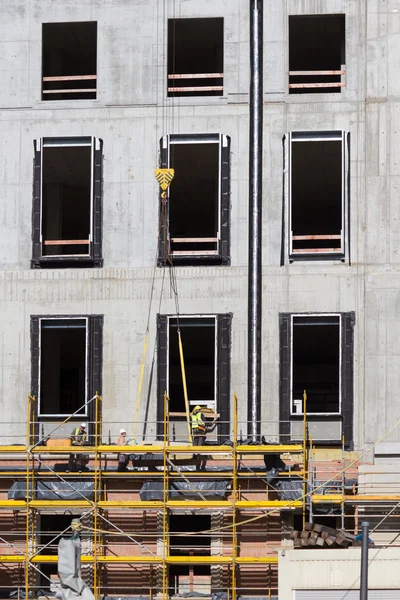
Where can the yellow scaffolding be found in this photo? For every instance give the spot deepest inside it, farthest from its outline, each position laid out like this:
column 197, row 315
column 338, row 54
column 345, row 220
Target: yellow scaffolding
column 235, row 507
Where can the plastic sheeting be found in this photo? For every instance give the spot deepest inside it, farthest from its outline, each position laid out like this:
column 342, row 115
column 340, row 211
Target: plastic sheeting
column 69, row 570
column 154, row 490
column 53, row 490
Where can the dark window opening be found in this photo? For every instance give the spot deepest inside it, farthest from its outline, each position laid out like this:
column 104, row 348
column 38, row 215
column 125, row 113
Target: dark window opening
column 316, row 364
column 317, row 355
column 194, row 199
column 195, row 543
column 195, row 57
column 316, row 54
column 50, row 526
column 66, row 200
column 317, row 198
column 206, row 345
column 198, row 342
column 69, row 61
column 63, row 366
column 195, row 223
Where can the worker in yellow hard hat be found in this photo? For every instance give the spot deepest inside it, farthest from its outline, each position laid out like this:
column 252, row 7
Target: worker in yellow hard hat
column 199, row 431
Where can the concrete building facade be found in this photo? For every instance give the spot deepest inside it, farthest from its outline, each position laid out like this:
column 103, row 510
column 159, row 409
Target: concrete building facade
column 131, row 114
column 94, row 261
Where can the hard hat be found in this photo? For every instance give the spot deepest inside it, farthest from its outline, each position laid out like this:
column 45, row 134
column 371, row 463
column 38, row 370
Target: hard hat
column 83, row 425
column 196, row 408
column 122, row 431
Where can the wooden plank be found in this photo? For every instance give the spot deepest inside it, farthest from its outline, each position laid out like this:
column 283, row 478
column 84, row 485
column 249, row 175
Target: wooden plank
column 317, row 237
column 66, row 242
column 304, row 543
column 194, row 252
column 202, row 88
column 298, row 73
column 206, row 411
column 72, row 91
column 312, row 541
column 304, row 534
column 71, row 78
column 190, row 240
column 197, row 76
column 317, row 85
column 314, row 250
column 330, row 540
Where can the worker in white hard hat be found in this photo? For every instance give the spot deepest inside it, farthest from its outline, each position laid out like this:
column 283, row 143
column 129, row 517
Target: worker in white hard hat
column 78, row 438
column 123, row 440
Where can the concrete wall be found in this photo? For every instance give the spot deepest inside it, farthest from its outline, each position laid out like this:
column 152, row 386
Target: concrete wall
column 130, row 114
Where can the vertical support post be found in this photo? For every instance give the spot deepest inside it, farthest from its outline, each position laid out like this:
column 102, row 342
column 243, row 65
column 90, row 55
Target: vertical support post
column 255, row 211
column 305, row 457
column 342, row 505
column 234, row 499
column 165, row 498
column 364, row 561
column 96, row 483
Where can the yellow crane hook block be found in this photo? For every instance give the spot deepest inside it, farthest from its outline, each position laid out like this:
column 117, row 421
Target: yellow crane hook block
column 164, row 178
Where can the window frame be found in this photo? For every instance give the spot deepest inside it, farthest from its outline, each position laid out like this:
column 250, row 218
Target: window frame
column 70, row 318
column 95, row 324
column 315, row 414
column 94, row 256
column 223, row 332
column 342, row 253
column 222, row 254
column 347, row 380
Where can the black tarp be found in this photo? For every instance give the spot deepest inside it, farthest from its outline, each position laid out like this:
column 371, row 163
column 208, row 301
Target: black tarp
column 53, row 490
column 154, row 490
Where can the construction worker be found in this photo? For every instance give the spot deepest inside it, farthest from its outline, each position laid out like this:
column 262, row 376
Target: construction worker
column 78, row 438
column 123, row 459
column 199, row 431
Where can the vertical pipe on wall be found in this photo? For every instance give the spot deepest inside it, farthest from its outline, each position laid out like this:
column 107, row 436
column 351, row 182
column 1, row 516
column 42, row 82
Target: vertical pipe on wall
column 255, row 206
column 364, row 561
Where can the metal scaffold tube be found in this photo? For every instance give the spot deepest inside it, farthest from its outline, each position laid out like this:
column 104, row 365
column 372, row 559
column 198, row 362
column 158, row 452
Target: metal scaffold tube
column 255, row 212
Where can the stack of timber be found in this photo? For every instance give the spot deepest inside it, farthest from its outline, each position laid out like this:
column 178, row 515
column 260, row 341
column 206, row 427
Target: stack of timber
column 320, row 536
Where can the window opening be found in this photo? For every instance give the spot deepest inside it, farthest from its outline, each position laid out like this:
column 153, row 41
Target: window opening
column 51, row 525
column 199, row 346
column 317, row 195
column 192, row 578
column 63, row 366
column 69, row 57
column 316, row 362
column 316, row 54
column 194, row 198
column 67, row 192
column 195, row 57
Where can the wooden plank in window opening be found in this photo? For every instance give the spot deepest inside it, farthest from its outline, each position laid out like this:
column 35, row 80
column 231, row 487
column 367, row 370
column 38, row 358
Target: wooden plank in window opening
column 65, row 242
column 71, row 78
column 294, row 73
column 199, row 88
column 197, row 76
